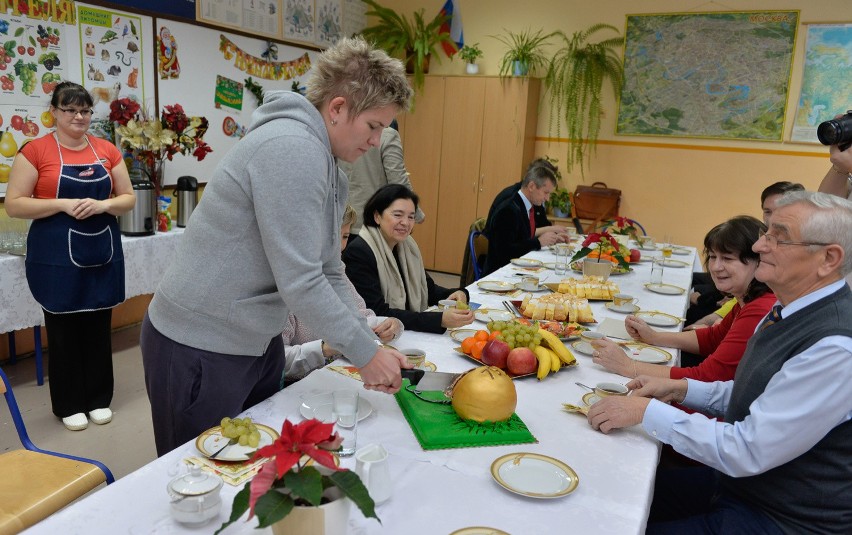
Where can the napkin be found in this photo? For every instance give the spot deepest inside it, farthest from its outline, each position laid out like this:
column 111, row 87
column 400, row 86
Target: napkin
column 231, row 473
column 437, row 426
column 614, row 328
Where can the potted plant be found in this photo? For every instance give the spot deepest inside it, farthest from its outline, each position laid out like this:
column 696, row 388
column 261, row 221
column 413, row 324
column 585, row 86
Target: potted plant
column 575, row 76
column 601, row 247
column 470, row 53
column 287, row 481
column 413, row 40
column 525, row 52
column 560, row 202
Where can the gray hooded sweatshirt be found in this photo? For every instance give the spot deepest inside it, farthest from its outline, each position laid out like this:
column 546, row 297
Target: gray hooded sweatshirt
column 265, row 241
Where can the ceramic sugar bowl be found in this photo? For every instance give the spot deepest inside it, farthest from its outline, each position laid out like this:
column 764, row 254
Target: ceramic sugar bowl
column 195, row 496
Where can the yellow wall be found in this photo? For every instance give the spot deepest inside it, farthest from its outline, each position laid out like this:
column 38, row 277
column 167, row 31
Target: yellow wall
column 675, row 186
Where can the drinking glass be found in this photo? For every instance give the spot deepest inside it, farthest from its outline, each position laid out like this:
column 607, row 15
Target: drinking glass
column 345, row 411
column 563, row 256
column 667, row 247
column 657, row 271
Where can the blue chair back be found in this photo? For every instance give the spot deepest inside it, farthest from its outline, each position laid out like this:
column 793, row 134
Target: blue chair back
column 474, row 260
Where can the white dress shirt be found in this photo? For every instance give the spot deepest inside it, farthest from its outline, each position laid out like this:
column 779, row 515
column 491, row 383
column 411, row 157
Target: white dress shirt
column 803, row 401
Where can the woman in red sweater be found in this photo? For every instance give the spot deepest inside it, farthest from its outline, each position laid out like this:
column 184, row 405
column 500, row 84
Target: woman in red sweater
column 731, row 263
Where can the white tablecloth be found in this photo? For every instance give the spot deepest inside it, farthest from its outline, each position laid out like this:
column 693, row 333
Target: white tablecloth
column 437, row 492
column 145, row 261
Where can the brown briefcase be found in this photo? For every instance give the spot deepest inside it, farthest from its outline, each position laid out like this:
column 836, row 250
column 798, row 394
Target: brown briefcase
column 596, row 201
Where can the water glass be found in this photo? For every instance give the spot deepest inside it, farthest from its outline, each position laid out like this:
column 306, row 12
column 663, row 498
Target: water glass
column 563, row 256
column 657, row 271
column 345, row 411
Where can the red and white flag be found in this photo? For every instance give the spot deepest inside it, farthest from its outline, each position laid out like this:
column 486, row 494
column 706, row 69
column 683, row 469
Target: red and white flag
column 452, row 26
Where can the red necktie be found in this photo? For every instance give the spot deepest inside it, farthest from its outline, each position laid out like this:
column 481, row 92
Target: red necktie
column 532, row 223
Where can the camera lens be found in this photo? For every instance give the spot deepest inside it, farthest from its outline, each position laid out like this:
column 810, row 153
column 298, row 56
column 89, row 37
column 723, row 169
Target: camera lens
column 836, row 131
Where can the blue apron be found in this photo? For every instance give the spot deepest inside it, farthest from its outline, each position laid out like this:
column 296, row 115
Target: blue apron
column 77, row 265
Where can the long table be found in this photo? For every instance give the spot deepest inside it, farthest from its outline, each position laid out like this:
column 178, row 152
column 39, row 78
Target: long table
column 438, row 492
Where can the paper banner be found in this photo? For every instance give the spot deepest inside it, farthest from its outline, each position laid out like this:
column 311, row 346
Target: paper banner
column 255, row 66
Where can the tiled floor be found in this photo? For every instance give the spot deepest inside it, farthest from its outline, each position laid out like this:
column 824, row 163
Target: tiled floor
column 126, row 443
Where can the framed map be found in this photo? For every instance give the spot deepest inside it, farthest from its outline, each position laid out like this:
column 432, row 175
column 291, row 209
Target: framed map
column 713, row 75
column 826, row 88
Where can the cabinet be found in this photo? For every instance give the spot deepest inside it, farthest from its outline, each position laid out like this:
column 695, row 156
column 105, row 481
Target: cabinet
column 467, row 139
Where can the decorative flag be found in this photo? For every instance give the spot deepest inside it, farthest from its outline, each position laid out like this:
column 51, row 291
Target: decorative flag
column 453, row 27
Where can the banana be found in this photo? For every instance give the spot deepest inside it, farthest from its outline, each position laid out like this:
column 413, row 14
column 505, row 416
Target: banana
column 544, row 362
column 555, row 363
column 557, row 346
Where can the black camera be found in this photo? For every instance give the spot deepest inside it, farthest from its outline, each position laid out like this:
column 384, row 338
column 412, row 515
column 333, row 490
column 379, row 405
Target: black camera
column 836, row 132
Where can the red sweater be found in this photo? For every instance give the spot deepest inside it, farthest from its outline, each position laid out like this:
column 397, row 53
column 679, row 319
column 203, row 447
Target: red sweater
column 725, row 343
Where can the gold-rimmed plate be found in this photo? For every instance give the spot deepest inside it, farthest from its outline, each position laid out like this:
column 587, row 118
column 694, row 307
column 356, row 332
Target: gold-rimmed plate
column 492, row 314
column 590, row 398
column 534, row 475
column 478, row 530
column 526, row 262
column 644, row 353
column 682, row 251
column 672, row 263
column 459, row 335
column 495, row 286
column 210, row 441
column 626, row 309
column 665, row 289
column 657, row 318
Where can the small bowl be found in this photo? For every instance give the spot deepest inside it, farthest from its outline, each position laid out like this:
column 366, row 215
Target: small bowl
column 611, row 389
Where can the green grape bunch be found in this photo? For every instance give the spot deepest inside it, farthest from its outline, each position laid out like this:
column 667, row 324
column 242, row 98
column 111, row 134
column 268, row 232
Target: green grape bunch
column 243, row 429
column 516, row 334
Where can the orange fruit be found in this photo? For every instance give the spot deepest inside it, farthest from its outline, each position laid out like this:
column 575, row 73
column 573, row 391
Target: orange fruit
column 481, row 335
column 467, row 344
column 476, row 352
column 494, row 334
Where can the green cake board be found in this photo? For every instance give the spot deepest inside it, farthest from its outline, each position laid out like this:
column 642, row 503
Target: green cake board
column 437, row 426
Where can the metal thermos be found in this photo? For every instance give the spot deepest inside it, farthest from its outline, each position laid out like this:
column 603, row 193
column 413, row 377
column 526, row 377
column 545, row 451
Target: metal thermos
column 140, row 221
column 186, row 192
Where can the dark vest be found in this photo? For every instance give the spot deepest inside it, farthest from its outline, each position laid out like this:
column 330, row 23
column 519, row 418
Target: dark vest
column 813, row 492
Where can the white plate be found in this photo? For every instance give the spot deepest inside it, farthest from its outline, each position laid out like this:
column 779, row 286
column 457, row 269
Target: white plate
column 629, row 309
column 210, row 441
column 525, row 288
column 583, row 347
column 495, row 286
column 549, row 265
column 672, row 263
column 320, row 406
column 680, row 251
column 491, row 314
column 478, row 530
column 644, row 353
column 648, row 247
column 534, row 475
column 657, row 318
column 590, row 398
column 526, row 262
column 666, row 289
column 460, row 334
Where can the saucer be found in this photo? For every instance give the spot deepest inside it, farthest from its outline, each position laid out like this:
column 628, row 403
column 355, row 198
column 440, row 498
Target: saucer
column 590, row 398
column 644, row 353
column 534, row 475
column 672, row 263
column 657, row 318
column 583, row 347
column 526, row 262
column 680, row 251
column 629, row 309
column 491, row 314
column 666, row 289
column 495, row 286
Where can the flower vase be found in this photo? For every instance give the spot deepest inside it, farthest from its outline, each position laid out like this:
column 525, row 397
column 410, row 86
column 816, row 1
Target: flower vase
column 472, row 68
column 559, row 212
column 155, row 174
column 330, row 518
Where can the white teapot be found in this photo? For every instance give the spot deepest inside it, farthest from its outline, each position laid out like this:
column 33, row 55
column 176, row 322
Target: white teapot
column 195, row 496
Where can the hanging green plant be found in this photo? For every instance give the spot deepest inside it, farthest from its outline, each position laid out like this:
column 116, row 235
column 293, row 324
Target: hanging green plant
column 575, row 76
column 525, row 54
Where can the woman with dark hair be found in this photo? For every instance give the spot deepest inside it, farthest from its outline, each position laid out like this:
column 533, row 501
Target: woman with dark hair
column 73, row 186
column 731, row 262
column 384, row 264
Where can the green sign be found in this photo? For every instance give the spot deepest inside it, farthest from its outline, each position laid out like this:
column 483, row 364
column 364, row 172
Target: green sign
column 228, row 93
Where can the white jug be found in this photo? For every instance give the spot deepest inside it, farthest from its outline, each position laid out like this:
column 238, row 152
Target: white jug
column 372, row 467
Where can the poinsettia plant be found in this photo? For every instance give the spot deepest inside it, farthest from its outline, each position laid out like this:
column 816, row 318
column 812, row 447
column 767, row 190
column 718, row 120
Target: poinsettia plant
column 153, row 140
column 288, row 478
column 601, row 246
column 623, row 226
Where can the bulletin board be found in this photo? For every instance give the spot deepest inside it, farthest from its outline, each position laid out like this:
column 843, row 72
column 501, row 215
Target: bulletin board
column 213, row 67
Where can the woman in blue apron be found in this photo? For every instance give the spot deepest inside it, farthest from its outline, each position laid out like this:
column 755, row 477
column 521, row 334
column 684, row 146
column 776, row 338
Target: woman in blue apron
column 73, row 186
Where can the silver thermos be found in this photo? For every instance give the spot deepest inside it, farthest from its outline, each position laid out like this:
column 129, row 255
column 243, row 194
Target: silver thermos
column 186, row 192
column 140, row 220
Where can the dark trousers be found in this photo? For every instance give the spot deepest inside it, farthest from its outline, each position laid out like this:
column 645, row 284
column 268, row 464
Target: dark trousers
column 687, row 500
column 191, row 390
column 79, row 361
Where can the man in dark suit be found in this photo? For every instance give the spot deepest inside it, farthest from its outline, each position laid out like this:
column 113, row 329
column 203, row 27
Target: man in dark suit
column 541, row 220
column 513, row 230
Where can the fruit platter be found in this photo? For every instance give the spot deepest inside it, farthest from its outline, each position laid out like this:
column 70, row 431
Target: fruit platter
column 616, row 269
column 588, row 287
column 558, row 307
column 519, row 347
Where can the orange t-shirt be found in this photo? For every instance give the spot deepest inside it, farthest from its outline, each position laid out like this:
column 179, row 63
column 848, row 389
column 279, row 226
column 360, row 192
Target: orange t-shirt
column 43, row 154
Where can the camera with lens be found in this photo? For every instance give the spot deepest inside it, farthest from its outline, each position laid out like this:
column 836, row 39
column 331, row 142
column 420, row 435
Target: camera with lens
column 836, row 131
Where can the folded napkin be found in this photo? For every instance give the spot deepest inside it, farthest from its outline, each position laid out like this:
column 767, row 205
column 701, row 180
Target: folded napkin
column 231, row 473
column 437, row 426
column 614, row 328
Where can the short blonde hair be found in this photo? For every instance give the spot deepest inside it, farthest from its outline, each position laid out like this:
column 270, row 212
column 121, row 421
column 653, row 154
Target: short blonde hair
column 349, row 216
column 365, row 76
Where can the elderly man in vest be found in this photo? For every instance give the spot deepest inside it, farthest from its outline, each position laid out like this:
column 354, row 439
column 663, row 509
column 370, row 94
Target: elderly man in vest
column 781, row 461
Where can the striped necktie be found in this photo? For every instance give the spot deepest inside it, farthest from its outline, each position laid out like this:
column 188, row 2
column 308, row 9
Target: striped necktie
column 773, row 317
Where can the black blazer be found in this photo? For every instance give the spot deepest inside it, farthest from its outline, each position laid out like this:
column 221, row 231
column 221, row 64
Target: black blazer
column 505, row 195
column 362, row 270
column 510, row 234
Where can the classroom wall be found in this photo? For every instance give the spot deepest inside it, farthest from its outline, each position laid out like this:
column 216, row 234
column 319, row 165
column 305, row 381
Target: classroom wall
column 676, row 186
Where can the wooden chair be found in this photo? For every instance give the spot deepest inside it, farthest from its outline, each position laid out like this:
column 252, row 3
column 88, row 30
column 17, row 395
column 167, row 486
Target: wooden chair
column 36, row 483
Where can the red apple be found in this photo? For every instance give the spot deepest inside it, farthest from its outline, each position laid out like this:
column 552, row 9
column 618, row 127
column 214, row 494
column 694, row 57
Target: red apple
column 635, row 255
column 521, row 361
column 495, row 353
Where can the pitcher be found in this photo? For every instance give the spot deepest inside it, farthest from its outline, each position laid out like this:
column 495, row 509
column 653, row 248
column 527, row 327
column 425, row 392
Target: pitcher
column 372, row 467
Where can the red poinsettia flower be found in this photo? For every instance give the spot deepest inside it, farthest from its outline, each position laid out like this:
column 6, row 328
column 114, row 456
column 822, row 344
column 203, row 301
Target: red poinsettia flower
column 201, row 150
column 122, row 110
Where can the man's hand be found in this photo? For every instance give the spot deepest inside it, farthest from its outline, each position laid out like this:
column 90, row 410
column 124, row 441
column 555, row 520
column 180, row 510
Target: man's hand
column 382, row 372
column 615, row 412
column 548, row 238
column 666, row 390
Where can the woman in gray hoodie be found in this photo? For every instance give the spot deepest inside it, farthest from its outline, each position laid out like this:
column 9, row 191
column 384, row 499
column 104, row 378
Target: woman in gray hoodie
column 264, row 242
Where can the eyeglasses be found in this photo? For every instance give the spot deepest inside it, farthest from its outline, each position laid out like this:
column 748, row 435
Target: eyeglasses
column 73, row 113
column 773, row 242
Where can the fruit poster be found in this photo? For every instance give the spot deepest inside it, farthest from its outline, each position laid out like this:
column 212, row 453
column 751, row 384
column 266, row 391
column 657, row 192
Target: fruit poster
column 32, row 61
column 111, row 52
